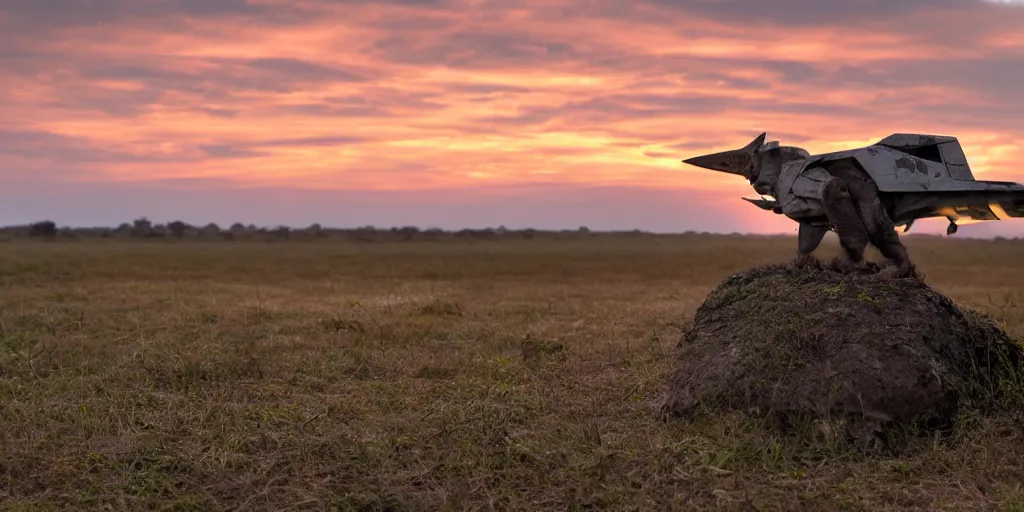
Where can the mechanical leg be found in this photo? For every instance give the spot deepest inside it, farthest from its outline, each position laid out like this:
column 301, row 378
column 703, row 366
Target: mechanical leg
column 869, row 207
column 842, row 213
column 808, row 239
column 883, row 235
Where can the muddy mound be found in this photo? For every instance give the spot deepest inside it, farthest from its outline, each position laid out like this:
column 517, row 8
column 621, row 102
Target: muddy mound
column 871, row 350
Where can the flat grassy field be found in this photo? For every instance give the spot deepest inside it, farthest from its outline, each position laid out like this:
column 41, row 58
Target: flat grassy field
column 496, row 375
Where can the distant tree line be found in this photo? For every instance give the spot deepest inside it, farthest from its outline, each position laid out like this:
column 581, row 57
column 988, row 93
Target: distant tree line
column 143, row 228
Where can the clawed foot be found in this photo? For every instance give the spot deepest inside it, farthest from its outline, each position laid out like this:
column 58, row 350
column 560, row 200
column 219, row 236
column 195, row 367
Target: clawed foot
column 904, row 270
column 840, row 264
column 806, row 261
column 845, row 265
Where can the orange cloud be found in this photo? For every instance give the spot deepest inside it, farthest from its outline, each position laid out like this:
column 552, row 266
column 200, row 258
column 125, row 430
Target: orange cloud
column 421, row 96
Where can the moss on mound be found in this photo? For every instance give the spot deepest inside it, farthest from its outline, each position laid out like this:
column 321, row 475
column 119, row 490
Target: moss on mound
column 871, row 351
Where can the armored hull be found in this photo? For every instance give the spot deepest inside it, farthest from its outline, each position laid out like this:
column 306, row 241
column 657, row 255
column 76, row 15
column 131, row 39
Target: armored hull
column 922, row 176
column 916, row 176
column 862, row 194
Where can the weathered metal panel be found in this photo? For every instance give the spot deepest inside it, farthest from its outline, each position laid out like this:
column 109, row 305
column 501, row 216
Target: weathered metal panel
column 895, row 171
column 960, row 172
column 953, row 154
column 956, row 161
column 811, row 183
column 911, row 140
column 801, row 189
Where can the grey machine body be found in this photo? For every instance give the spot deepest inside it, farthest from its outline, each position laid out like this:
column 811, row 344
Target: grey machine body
column 891, row 183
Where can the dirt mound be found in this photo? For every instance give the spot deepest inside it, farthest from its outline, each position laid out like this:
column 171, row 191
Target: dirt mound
column 866, row 349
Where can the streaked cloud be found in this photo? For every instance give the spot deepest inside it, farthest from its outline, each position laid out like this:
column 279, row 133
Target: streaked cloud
column 431, row 97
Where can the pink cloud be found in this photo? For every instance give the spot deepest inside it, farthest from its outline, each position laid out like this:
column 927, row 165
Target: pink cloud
column 419, row 97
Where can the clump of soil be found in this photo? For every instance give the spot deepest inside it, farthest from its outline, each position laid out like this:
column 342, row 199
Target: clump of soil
column 872, row 351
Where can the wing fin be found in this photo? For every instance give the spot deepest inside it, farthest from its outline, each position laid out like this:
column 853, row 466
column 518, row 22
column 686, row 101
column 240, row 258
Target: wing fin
column 764, row 204
column 965, row 206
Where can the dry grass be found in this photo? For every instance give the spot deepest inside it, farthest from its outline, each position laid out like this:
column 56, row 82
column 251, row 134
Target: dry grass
column 511, row 375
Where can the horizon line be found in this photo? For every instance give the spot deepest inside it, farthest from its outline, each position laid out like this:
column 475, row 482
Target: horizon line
column 252, row 228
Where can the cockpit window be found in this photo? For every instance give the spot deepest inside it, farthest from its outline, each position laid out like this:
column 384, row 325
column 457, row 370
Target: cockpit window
column 930, row 152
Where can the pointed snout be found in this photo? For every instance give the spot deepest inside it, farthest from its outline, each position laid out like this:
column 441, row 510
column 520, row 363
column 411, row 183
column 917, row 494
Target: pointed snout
column 705, row 161
column 732, row 162
column 736, row 161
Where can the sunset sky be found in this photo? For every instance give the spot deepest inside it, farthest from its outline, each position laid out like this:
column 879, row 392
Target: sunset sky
column 476, row 113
